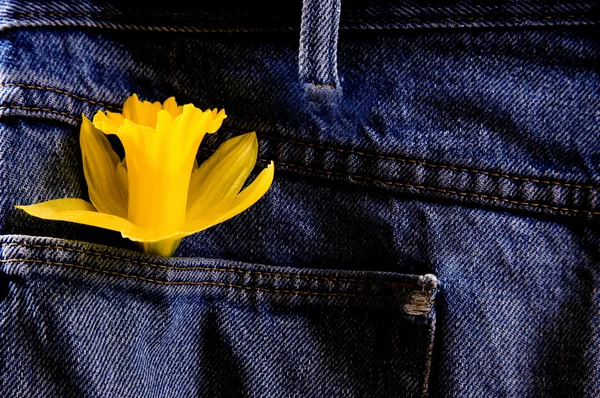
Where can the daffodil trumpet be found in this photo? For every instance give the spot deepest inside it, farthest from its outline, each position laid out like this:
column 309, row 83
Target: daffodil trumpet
column 158, row 193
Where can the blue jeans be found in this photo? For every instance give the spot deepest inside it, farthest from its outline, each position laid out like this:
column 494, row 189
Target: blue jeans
column 435, row 164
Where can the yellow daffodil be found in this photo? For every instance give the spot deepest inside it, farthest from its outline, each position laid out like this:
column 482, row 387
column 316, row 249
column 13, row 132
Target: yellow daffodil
column 158, row 194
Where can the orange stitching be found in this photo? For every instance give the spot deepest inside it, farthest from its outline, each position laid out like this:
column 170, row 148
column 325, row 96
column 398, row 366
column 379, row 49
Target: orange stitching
column 41, row 109
column 226, row 270
column 435, row 166
column 447, row 191
column 59, row 92
column 204, row 283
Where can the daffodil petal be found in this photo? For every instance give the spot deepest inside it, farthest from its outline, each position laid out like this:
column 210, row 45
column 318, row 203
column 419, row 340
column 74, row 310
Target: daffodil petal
column 141, row 112
column 230, row 208
column 81, row 212
column 192, row 122
column 108, row 123
column 116, row 118
column 123, row 182
column 170, row 105
column 223, row 174
column 218, row 118
column 78, row 211
column 107, row 186
column 164, row 121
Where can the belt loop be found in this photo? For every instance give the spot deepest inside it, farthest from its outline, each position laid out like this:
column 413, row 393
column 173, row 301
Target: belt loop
column 318, row 49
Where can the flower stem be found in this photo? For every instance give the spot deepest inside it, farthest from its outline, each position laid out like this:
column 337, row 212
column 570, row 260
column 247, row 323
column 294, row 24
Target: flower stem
column 164, row 247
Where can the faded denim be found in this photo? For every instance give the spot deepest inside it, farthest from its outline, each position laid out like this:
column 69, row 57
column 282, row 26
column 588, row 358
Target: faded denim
column 437, row 163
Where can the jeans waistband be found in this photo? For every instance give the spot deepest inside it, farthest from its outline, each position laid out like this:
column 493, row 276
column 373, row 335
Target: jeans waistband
column 240, row 16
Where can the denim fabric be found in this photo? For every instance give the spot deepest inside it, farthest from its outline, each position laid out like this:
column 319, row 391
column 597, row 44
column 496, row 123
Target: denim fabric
column 449, row 146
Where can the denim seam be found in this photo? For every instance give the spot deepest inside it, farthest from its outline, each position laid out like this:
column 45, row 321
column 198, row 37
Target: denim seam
column 221, row 270
column 192, row 283
column 426, row 164
column 66, row 114
column 429, row 357
column 478, row 19
column 436, row 189
column 407, row 185
column 55, row 90
column 308, row 144
column 54, row 14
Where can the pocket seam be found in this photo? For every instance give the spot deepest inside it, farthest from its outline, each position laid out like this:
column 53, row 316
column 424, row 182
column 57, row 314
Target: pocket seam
column 27, row 108
column 58, row 91
column 196, row 283
column 210, row 269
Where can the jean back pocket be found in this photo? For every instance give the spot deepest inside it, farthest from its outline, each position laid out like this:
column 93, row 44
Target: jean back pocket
column 87, row 320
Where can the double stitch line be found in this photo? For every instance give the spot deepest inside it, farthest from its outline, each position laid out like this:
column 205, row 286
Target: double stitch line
column 493, row 18
column 224, row 270
column 429, row 188
column 426, row 164
column 36, row 109
column 192, row 283
column 63, row 92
